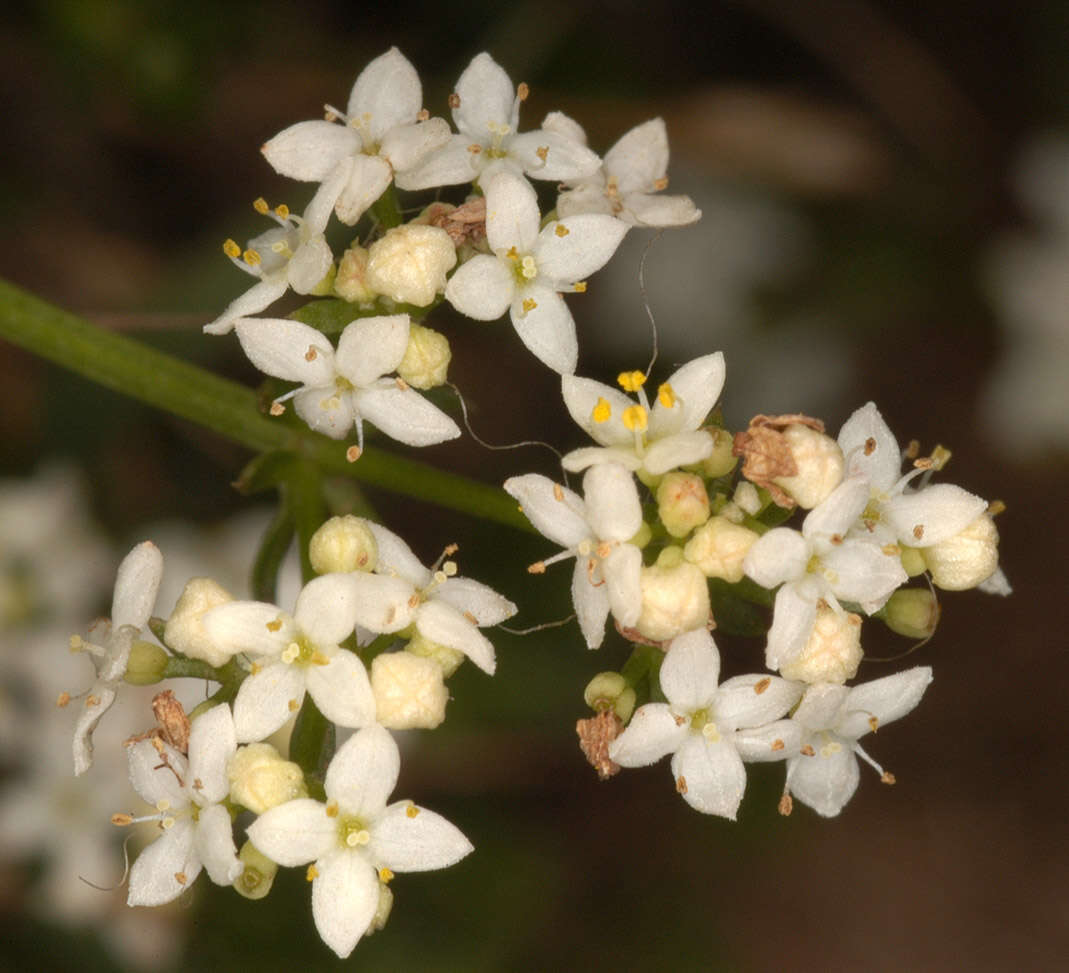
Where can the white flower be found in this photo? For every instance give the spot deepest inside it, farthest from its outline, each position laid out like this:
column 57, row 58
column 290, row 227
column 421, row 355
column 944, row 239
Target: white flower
column 822, row 562
column 136, row 585
column 294, row 254
column 824, row 775
column 297, row 653
column 633, row 170
column 596, row 533
column 382, row 136
column 486, row 113
column 531, row 267
column 653, row 440
column 347, row 386
column 187, row 795
column 709, row 730
column 443, row 608
column 356, row 841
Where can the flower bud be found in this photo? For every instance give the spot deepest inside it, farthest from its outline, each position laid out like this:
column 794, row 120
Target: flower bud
column 746, row 498
column 185, row 632
column 965, row 559
column 259, row 874
column 409, row 263
column 609, row 691
column 382, row 910
column 261, row 779
column 675, row 598
column 833, row 651
column 147, row 664
column 426, row 358
column 682, row 503
column 350, row 283
column 820, row 464
column 722, row 460
column 913, row 562
column 343, row 544
column 912, row 612
column 718, row 548
column 409, row 691
column 447, row 659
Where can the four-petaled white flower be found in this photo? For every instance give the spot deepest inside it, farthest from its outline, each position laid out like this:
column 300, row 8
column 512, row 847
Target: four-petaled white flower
column 596, row 532
column 443, row 608
column 629, row 182
column 136, row 585
column 356, row 841
column 296, row 653
column 530, row 268
column 487, row 113
column 382, row 136
column 347, row 386
column 187, row 795
column 822, row 562
column 710, row 730
column 824, row 774
column 654, row 440
column 293, row 254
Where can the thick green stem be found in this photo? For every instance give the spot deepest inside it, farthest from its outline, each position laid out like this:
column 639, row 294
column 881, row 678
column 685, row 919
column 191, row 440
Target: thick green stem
column 225, row 407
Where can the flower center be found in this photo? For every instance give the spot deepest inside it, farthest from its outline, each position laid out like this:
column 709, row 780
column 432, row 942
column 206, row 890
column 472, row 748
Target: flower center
column 701, row 721
column 353, row 832
column 302, row 652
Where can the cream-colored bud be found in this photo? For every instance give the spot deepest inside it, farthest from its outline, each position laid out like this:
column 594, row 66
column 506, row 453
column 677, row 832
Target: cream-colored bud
column 820, row 466
column 965, row 559
column 447, row 659
column 185, row 632
column 718, row 548
column 610, row 691
column 833, row 651
column 913, row 562
column 426, row 358
column 746, row 498
column 722, row 460
column 343, row 544
column 682, row 503
column 409, row 263
column 260, row 778
column 409, row 690
column 259, row 874
column 147, row 664
column 350, row 283
column 675, row 599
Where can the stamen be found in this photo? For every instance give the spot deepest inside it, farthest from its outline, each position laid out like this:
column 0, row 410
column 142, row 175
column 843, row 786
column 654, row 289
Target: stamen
column 561, row 230
column 260, row 205
column 602, row 411
column 579, row 287
column 231, row 249
column 635, row 418
column 631, row 381
column 666, row 396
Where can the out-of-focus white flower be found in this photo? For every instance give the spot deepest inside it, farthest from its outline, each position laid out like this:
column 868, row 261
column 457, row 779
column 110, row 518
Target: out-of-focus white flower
column 187, row 794
column 355, row 840
column 631, row 177
column 486, row 111
column 531, row 267
column 185, row 633
column 383, row 135
column 596, row 533
column 347, row 386
column 709, row 729
column 408, row 263
column 654, row 440
column 824, row 773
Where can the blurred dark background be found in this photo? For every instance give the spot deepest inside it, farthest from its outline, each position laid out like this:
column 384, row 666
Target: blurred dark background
column 858, row 164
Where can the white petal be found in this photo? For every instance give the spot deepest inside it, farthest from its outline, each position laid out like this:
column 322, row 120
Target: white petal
column 266, row 700
column 295, row 833
column 588, row 198
column 997, row 584
column 839, row 511
column 695, row 387
column 690, row 671
column 682, row 449
column 388, row 92
column 622, row 571
column 550, row 155
column 406, row 145
column 327, row 610
column 870, row 447
column 261, row 295
column 641, row 209
column 754, row 700
column 573, row 249
column 310, row 150
column 581, row 397
column 153, row 876
column 709, row 776
column 249, row 626
column 486, row 98
column 213, row 842
column 476, row 599
column 565, row 126
column 579, row 459
column 396, row 557
column 612, row 503
column 820, row 706
column 448, row 165
column 368, row 179
column 591, row 604
column 883, row 700
column 345, row 895
column 309, row 265
column 405, row 415
column 212, row 742
column 445, row 625
column 287, row 349
column 640, row 158
column 153, row 781
column 547, row 329
column 482, row 288
column 342, row 691
column 326, row 410
column 653, row 732
column 774, row 741
column 555, row 511
column 778, row 556
column 383, row 604
column 82, row 749
column 407, row 838
column 932, row 515
column 862, row 572
column 136, row 585
column 512, row 215
column 792, row 624
column 824, row 781
column 319, row 210
column 364, row 772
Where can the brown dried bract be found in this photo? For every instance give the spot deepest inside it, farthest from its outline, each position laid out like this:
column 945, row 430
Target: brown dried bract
column 465, row 224
column 595, row 735
column 172, row 724
column 766, row 453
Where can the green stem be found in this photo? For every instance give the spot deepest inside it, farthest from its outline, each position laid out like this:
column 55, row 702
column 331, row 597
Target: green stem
column 303, row 490
column 312, row 740
column 225, row 407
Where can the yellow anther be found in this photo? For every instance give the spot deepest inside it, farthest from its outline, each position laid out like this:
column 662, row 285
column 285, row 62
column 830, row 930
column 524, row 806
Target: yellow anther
column 277, row 409
column 523, row 90
column 453, row 100
column 542, row 152
column 580, row 286
column 385, row 875
column 411, row 811
column 231, row 249
column 529, row 304
column 312, row 353
column 122, row 820
column 602, row 411
column 661, row 183
column 181, row 878
column 63, row 699
column 666, row 396
column 332, row 809
column 311, row 873
column 561, row 230
column 631, row 381
column 282, row 211
column 558, row 493
column 260, row 205
column 761, row 685
column 76, row 643
column 293, row 706
column 352, row 454
column 251, row 257
column 635, row 418
column 274, row 625
column 512, row 253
